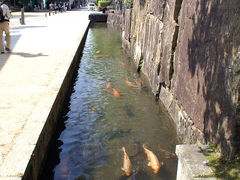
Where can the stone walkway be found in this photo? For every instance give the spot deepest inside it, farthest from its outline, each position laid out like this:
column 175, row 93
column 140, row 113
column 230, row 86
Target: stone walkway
column 30, row 78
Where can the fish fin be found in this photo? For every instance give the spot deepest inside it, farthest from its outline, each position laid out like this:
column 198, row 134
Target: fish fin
column 128, row 173
column 156, row 171
column 166, row 156
column 149, row 164
column 108, row 86
column 173, row 155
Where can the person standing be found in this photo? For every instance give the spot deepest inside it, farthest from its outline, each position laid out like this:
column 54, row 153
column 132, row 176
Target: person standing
column 4, row 27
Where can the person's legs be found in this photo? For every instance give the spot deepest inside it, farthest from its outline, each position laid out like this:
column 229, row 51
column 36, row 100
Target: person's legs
column 8, row 37
column 1, row 37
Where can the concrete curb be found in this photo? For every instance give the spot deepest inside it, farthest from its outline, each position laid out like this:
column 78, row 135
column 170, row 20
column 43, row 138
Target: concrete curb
column 191, row 163
column 39, row 154
column 33, row 81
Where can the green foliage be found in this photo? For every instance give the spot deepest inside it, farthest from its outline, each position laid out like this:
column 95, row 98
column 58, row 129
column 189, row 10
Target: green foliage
column 223, row 168
column 128, row 3
column 140, row 64
column 24, row 2
column 103, row 3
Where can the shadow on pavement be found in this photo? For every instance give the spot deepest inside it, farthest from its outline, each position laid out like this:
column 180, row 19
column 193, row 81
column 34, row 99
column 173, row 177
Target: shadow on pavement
column 26, row 27
column 4, row 57
column 15, row 37
column 27, row 55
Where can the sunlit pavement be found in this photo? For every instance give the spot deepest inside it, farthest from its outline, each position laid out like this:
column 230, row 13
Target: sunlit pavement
column 30, row 78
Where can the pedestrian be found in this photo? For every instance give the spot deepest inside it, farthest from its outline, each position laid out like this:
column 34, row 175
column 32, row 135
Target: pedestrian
column 4, row 27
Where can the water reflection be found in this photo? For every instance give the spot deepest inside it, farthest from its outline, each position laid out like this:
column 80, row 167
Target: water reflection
column 99, row 123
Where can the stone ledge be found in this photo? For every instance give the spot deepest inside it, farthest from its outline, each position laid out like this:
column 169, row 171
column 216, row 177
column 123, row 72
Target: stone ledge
column 187, row 132
column 98, row 17
column 191, row 163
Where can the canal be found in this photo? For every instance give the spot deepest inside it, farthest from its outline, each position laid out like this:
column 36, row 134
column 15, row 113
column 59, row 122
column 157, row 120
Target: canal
column 111, row 106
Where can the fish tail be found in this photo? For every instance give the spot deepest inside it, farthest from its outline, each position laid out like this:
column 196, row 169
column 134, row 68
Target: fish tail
column 144, row 146
column 156, row 171
column 108, row 85
column 115, row 92
column 123, row 149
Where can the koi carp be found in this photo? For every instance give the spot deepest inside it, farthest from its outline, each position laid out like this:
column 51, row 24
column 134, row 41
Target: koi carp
column 130, row 84
column 115, row 93
column 167, row 154
column 122, row 63
column 153, row 160
column 127, row 166
column 108, row 85
column 64, row 169
column 99, row 56
column 93, row 109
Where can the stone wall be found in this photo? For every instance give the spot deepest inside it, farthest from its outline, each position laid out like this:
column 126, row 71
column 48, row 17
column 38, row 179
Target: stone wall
column 190, row 52
column 192, row 164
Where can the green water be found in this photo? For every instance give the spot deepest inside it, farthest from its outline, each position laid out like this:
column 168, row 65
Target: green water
column 98, row 124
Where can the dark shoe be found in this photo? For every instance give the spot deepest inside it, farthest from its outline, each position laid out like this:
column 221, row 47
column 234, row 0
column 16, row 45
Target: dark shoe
column 2, row 52
column 8, row 50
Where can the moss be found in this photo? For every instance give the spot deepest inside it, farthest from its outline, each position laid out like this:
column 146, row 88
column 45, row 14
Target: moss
column 20, row 175
column 140, row 65
column 222, row 168
column 174, row 45
column 178, row 5
column 205, row 176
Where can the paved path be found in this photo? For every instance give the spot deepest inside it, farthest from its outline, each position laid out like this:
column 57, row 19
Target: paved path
column 29, row 17
column 30, row 78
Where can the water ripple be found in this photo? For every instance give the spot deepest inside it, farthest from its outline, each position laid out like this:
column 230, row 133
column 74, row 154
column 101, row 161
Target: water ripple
column 99, row 124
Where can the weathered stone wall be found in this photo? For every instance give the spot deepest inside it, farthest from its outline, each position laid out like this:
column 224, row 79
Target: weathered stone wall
column 115, row 18
column 206, row 68
column 190, row 52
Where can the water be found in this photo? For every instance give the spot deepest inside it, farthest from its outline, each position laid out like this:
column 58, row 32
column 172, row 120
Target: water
column 98, row 124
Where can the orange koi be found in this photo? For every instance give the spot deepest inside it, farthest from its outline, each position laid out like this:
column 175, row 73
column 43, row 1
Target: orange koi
column 153, row 160
column 167, row 154
column 127, row 165
column 108, row 85
column 93, row 109
column 64, row 169
column 130, row 84
column 122, row 63
column 115, row 93
column 99, row 56
column 140, row 80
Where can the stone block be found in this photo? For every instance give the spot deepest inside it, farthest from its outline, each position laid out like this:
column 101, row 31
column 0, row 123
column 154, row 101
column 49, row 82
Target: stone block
column 16, row 161
column 27, row 137
column 166, row 97
column 191, row 163
column 97, row 17
column 10, row 178
column 5, row 137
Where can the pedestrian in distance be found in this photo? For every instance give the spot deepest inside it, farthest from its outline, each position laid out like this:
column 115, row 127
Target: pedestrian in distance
column 4, row 26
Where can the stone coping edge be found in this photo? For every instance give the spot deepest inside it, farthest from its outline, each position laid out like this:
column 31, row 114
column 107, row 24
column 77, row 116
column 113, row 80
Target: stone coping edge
column 38, row 157
column 191, row 163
